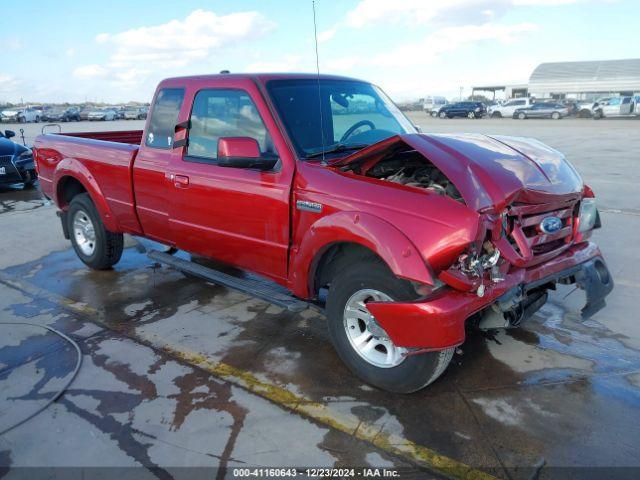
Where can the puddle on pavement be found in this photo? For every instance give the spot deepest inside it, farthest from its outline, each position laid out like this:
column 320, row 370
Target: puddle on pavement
column 476, row 394
column 16, row 198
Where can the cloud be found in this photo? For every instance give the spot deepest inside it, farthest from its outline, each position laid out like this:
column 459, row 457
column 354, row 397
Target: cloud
column 326, row 35
column 448, row 40
column 90, row 71
column 180, row 42
column 415, row 12
column 287, row 63
column 70, row 52
column 419, row 12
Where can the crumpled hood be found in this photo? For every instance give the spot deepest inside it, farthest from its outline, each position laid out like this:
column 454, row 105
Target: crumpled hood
column 490, row 172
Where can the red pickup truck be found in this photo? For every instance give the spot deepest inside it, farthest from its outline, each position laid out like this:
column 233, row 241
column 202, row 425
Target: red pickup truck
column 321, row 185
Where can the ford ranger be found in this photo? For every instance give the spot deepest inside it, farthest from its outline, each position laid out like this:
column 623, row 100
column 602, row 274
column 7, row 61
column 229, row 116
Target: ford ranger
column 323, row 187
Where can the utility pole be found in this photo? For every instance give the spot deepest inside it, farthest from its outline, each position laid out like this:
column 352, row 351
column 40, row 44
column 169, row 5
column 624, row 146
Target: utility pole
column 461, row 88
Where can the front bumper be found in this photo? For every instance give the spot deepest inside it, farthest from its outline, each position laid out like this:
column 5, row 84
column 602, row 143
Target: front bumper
column 438, row 322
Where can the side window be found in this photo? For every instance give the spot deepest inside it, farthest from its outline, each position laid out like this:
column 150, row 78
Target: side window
column 519, row 102
column 224, row 113
column 164, row 118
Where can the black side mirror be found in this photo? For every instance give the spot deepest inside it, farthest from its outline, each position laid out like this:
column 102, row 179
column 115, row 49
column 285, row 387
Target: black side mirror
column 9, row 133
column 261, row 163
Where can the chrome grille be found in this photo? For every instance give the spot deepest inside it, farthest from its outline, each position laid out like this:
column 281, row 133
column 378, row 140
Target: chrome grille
column 532, row 245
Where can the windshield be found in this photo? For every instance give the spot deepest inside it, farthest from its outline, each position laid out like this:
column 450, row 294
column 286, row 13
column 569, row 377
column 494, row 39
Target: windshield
column 354, row 115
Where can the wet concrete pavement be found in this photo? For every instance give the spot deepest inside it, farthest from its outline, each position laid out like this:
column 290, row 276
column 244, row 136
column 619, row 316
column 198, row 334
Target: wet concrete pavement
column 178, row 372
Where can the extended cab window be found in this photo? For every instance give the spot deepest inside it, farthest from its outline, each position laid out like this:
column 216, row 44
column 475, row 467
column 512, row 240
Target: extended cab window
column 164, row 117
column 220, row 113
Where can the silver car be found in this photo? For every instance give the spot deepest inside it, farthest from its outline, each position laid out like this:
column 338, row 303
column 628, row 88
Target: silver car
column 102, row 114
column 542, row 110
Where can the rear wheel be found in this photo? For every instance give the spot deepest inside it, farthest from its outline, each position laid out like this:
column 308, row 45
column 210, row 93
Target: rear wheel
column 96, row 246
column 555, row 115
column 522, row 116
column 362, row 344
column 442, row 114
column 471, row 115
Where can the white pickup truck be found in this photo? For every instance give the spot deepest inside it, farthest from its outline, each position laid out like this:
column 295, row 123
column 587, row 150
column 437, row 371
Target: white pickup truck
column 617, row 107
column 508, row 108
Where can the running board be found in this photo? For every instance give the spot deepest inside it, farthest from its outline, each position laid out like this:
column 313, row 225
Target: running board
column 262, row 290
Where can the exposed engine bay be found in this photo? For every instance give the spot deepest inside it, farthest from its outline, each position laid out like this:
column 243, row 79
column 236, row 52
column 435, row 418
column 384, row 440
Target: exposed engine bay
column 412, row 169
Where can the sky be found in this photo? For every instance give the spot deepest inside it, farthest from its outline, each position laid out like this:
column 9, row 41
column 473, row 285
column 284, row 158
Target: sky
column 117, row 51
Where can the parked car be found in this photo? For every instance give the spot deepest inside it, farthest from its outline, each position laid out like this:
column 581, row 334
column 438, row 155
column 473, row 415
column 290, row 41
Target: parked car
column 401, row 236
column 542, row 110
column 20, row 115
column 463, row 109
column 102, row 114
column 84, row 113
column 55, row 114
column 509, row 107
column 616, row 107
column 432, row 104
column 71, row 114
column 16, row 162
column 134, row 113
column 119, row 112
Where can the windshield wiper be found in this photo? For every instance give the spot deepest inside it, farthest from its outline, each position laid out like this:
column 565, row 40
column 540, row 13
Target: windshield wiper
column 340, row 147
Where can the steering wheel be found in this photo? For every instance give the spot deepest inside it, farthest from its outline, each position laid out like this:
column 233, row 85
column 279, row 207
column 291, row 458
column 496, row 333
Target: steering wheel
column 355, row 127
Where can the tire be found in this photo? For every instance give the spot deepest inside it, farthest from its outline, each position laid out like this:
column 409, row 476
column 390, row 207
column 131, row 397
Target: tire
column 597, row 115
column 371, row 275
column 37, row 119
column 442, row 115
column 471, row 115
column 22, row 120
column 496, row 115
column 555, row 116
column 522, row 116
column 106, row 246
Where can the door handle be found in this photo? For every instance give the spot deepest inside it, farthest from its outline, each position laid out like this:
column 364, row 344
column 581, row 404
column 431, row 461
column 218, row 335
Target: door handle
column 180, row 181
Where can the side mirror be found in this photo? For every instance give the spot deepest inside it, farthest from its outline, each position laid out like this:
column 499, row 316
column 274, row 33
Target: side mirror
column 9, row 133
column 243, row 152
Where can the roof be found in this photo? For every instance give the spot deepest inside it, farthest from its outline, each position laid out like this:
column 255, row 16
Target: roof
column 264, row 77
column 595, row 76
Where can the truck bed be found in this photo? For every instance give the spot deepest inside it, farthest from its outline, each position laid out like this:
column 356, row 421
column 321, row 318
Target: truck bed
column 107, row 158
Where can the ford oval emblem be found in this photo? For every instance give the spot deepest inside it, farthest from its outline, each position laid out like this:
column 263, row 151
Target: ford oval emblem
column 551, row 224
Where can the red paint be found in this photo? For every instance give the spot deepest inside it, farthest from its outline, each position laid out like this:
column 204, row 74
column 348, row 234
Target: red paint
column 248, row 218
column 238, row 147
column 439, row 322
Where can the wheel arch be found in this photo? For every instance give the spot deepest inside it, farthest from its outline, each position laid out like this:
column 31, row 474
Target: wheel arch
column 353, row 235
column 72, row 178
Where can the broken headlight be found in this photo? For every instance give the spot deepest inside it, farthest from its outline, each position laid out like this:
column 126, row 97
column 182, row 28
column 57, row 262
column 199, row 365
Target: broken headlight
column 588, row 214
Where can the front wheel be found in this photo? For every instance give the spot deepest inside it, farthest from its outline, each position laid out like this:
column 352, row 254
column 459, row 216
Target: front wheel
column 362, row 344
column 96, row 246
column 442, row 114
column 555, row 116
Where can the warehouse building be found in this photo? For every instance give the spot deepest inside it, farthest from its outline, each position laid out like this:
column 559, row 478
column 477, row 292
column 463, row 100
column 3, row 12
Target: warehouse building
column 576, row 80
column 585, row 80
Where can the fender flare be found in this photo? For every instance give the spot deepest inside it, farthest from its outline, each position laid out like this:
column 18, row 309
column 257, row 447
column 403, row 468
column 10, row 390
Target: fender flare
column 70, row 167
column 372, row 232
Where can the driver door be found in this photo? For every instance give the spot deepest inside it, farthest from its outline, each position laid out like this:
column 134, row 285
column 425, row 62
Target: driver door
column 239, row 216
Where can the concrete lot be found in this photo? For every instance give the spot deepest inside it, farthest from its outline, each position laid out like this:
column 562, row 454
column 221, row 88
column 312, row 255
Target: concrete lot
column 180, row 373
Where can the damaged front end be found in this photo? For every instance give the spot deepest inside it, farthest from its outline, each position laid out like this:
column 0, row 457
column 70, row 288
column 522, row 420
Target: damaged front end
column 535, row 218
